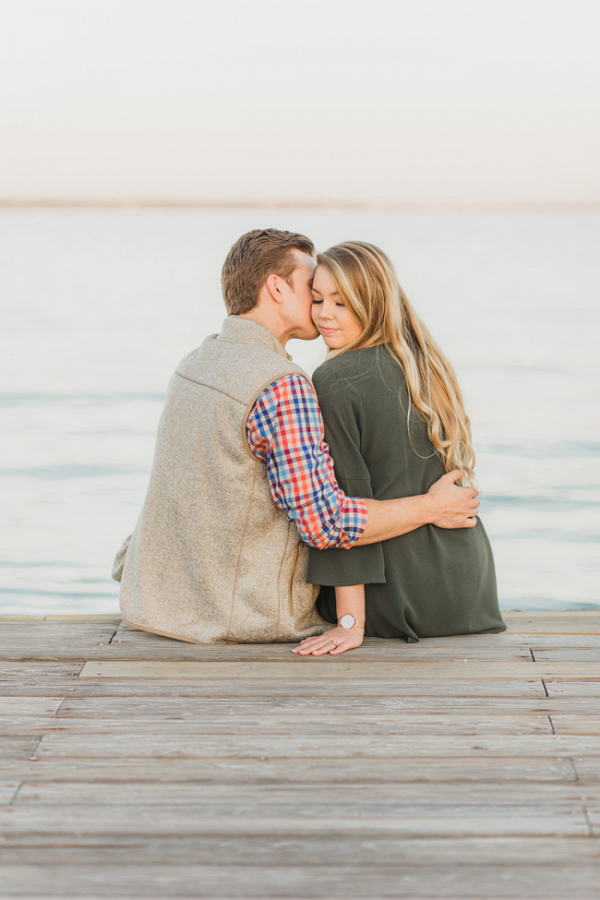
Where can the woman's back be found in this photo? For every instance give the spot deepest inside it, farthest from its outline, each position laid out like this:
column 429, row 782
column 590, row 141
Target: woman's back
column 431, row 581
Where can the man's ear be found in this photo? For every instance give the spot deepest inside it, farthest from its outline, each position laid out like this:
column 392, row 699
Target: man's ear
column 272, row 285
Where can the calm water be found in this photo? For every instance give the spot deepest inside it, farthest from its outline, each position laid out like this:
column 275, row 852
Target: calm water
column 99, row 306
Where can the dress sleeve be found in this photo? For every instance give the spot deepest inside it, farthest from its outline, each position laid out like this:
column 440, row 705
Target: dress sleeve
column 341, row 407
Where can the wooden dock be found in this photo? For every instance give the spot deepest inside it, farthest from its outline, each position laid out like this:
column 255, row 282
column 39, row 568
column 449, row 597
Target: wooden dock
column 134, row 766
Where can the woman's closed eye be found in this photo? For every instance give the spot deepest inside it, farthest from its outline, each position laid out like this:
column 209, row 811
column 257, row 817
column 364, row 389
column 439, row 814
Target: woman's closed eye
column 317, row 300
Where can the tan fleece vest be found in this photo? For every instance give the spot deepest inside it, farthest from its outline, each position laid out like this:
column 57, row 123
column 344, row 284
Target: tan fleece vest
column 211, row 557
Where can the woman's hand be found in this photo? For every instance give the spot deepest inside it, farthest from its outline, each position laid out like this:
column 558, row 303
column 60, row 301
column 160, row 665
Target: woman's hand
column 335, row 641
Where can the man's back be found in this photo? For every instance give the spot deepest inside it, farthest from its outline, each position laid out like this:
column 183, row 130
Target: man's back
column 212, row 558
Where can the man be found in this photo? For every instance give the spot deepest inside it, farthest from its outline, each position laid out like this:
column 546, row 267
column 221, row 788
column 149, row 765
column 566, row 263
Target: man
column 242, row 479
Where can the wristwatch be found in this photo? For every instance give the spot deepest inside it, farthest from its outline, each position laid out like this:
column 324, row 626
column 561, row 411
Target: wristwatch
column 349, row 621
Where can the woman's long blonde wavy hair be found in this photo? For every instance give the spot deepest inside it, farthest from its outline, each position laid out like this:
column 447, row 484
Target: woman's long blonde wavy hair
column 367, row 283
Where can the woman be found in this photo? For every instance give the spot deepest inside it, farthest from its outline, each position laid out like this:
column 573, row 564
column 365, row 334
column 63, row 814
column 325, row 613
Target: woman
column 395, row 422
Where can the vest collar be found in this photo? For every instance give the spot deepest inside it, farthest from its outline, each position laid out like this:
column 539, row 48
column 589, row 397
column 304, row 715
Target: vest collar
column 240, row 330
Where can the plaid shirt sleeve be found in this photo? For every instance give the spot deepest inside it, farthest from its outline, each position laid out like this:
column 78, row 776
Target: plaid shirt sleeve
column 285, row 430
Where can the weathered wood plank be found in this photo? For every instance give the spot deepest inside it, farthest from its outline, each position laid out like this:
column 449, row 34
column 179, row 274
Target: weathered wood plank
column 17, row 747
column 307, row 704
column 553, row 623
column 252, row 850
column 38, row 641
column 549, row 641
column 92, row 640
column 242, row 816
column 578, row 882
column 567, row 654
column 37, row 670
column 325, row 725
column 62, row 633
column 566, row 614
column 127, row 634
column 57, row 687
column 61, row 617
column 31, row 617
column 576, row 724
column 84, row 617
column 571, row 687
column 317, row 770
column 215, row 688
column 131, row 644
column 391, row 651
column 328, row 667
column 370, row 799
column 324, row 692
column 144, row 745
column 29, row 706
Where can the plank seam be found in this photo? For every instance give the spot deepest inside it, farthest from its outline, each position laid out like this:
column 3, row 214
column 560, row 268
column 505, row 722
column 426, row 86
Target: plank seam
column 36, row 748
column 16, row 793
column 574, row 767
column 114, row 634
column 588, row 822
column 56, row 714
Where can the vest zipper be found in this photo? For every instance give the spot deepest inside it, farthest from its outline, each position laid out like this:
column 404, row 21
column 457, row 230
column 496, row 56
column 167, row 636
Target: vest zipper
column 292, row 573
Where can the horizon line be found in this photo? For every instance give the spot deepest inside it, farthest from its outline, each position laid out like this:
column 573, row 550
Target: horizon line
column 63, row 203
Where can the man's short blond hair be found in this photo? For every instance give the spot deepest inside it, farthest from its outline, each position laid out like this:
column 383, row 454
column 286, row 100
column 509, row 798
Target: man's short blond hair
column 255, row 256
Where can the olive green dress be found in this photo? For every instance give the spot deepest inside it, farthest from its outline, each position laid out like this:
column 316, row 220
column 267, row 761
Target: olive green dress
column 427, row 583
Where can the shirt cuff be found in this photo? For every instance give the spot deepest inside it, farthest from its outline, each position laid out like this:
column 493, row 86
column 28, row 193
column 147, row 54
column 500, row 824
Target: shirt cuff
column 352, row 522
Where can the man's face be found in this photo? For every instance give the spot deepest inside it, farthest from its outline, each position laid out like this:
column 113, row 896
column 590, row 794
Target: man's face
column 298, row 298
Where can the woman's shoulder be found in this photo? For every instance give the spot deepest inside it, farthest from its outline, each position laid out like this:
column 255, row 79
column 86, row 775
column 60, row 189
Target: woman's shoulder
column 362, row 368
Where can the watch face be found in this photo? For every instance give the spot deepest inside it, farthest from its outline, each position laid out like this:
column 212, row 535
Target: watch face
column 347, row 621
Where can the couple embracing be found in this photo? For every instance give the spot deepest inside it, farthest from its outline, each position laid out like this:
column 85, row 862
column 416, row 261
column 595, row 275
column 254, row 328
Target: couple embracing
column 284, row 510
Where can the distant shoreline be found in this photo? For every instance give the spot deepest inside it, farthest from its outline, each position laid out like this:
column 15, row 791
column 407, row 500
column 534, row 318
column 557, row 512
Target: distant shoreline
column 137, row 204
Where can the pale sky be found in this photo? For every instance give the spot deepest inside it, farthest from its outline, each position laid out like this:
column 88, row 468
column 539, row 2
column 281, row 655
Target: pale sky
column 435, row 102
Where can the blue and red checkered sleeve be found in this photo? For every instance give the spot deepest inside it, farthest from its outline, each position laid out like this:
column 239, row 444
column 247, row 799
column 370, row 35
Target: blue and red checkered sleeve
column 285, row 430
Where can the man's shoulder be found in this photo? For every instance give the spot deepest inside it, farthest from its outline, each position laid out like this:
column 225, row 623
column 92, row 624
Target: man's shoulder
column 243, row 371
column 192, row 355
